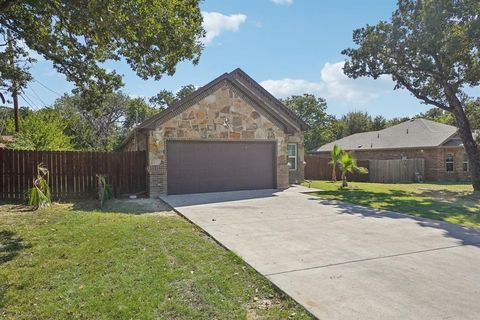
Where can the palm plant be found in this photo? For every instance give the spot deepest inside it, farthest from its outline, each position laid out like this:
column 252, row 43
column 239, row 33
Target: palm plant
column 40, row 195
column 104, row 190
column 336, row 155
column 348, row 163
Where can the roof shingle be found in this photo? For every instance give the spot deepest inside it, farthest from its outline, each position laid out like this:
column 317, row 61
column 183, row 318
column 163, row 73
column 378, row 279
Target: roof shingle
column 415, row 133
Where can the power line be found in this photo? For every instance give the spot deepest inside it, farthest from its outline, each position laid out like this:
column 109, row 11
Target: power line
column 21, row 96
column 44, row 104
column 25, row 97
column 47, row 87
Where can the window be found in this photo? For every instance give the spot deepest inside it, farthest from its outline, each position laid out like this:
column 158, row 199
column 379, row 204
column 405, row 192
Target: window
column 449, row 162
column 292, row 156
column 465, row 162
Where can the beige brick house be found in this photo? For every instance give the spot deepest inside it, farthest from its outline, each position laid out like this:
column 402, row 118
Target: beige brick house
column 230, row 134
column 438, row 144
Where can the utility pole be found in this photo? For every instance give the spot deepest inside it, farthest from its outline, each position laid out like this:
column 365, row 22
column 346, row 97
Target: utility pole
column 14, row 82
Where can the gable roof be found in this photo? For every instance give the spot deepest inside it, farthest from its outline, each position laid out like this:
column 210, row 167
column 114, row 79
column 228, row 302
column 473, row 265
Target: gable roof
column 415, row 133
column 246, row 86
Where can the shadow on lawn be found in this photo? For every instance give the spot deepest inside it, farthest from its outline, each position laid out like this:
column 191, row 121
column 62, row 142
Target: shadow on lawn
column 10, row 246
column 397, row 204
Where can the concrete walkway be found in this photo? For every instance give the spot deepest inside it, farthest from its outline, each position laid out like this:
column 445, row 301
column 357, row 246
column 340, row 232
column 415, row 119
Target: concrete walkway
column 344, row 261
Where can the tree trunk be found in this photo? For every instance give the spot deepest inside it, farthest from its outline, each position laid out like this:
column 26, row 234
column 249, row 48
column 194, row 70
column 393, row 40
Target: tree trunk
column 344, row 180
column 334, row 172
column 471, row 147
column 16, row 112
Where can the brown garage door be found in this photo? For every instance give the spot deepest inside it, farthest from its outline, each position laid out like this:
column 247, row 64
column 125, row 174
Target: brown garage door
column 211, row 166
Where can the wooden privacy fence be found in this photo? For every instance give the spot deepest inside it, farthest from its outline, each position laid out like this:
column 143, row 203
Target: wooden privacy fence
column 318, row 168
column 72, row 174
column 392, row 171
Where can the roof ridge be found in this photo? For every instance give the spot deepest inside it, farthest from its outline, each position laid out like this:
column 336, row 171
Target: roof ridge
column 268, row 96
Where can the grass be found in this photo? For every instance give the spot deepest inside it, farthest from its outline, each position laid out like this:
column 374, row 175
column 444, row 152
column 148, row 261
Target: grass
column 455, row 203
column 71, row 261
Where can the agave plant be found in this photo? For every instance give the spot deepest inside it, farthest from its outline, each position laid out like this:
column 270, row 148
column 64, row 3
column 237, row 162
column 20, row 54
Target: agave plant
column 336, row 155
column 348, row 163
column 40, row 195
column 104, row 190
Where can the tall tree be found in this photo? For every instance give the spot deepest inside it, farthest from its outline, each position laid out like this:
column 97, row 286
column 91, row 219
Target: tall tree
column 14, row 65
column 432, row 49
column 356, row 122
column 312, row 110
column 79, row 36
column 165, row 98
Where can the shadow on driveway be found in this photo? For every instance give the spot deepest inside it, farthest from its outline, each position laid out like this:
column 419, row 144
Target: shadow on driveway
column 468, row 236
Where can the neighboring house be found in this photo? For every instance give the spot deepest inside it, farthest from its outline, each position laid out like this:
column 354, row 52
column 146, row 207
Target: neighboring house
column 230, row 134
column 438, row 144
column 4, row 140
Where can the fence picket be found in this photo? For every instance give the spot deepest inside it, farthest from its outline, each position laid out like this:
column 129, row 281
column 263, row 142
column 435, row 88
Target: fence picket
column 72, row 173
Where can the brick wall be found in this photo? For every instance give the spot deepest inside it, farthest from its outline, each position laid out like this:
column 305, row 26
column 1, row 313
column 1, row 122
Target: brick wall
column 435, row 167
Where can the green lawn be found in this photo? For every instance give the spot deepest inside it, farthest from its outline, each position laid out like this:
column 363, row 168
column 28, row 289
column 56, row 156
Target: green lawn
column 73, row 262
column 455, row 203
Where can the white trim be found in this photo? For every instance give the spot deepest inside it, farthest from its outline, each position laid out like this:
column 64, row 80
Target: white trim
column 296, row 156
column 465, row 161
column 447, row 162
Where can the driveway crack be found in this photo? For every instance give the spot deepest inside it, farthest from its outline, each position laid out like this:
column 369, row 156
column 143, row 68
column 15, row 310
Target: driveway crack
column 374, row 258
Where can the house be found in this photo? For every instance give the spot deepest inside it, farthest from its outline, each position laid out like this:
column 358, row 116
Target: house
column 230, row 134
column 438, row 144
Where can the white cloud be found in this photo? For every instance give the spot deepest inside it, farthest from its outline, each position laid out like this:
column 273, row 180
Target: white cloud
column 215, row 23
column 283, row 2
column 333, row 85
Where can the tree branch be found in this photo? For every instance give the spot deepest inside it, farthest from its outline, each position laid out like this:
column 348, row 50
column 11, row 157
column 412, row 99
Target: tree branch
column 5, row 5
column 421, row 96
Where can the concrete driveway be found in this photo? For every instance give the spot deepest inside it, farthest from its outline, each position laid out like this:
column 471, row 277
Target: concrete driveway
column 344, row 261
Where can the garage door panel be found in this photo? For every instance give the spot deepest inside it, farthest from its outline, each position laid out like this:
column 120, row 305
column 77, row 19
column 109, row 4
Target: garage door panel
column 211, row 166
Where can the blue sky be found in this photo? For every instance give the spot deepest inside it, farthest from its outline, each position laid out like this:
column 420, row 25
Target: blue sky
column 289, row 46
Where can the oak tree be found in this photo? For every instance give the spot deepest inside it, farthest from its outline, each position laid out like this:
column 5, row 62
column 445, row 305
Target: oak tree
column 432, row 49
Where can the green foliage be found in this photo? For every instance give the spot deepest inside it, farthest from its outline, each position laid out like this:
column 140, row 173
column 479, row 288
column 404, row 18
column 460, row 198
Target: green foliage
column 430, row 48
column 40, row 195
column 165, row 98
column 103, row 126
column 336, row 156
column 18, row 72
column 348, row 164
column 355, row 122
column 137, row 111
column 312, row 110
column 79, row 36
column 104, row 190
column 41, row 130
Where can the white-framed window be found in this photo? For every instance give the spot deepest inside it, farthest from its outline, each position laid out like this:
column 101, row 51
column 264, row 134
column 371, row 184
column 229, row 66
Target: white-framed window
column 292, row 156
column 449, row 162
column 465, row 162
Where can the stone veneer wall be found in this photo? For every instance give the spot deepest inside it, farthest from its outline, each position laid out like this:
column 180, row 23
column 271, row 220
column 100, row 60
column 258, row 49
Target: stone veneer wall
column 435, row 167
column 224, row 114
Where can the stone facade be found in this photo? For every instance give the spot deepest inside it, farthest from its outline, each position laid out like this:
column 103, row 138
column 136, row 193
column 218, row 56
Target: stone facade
column 223, row 114
column 435, row 166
